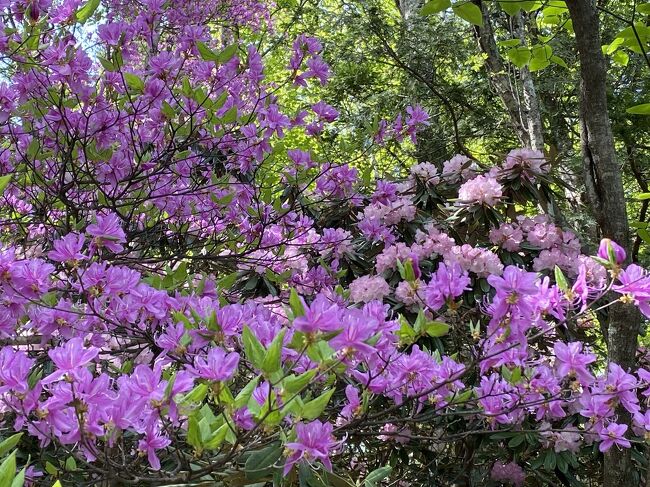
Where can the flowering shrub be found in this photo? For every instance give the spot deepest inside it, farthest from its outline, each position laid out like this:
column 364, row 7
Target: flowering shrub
column 185, row 298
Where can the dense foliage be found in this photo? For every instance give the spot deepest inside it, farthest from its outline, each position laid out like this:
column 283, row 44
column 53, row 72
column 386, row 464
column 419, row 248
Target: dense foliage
column 210, row 277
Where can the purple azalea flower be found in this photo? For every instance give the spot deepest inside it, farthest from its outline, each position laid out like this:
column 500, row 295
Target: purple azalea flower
column 219, row 365
column 635, row 286
column 15, row 367
column 352, row 339
column 107, row 232
column 152, row 441
column 321, row 315
column 609, row 248
column 314, row 441
column 68, row 249
column 447, row 283
column 613, row 435
column 69, row 359
column 353, row 406
column 570, row 361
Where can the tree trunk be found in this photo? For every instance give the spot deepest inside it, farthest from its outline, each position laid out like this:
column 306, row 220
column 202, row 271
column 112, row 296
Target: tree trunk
column 500, row 79
column 603, row 178
column 531, row 100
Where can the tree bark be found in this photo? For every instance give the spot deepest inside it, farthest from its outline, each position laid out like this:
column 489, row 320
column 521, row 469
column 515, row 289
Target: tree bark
column 603, row 177
column 531, row 100
column 500, row 79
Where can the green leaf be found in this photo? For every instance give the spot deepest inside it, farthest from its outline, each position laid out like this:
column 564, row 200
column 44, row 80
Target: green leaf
column 272, row 360
column 435, row 6
column 377, row 475
column 167, row 110
column 4, row 181
column 70, row 464
column 85, row 12
column 621, row 58
column 8, row 470
column 230, row 116
column 519, row 56
column 245, row 394
column 297, row 307
column 560, row 279
column 296, row 383
column 206, row 53
column 420, row 321
column 108, row 66
column 406, row 332
column 644, row 8
column 463, row 397
column 643, row 109
column 436, row 328
column 409, row 273
column 509, row 42
column 227, row 54
column 196, row 395
column 314, row 408
column 469, row 12
column 134, row 82
column 194, row 433
column 530, row 5
column 549, row 461
column 9, row 444
column 516, row 441
column 644, row 234
column 218, row 437
column 559, row 61
column 253, row 348
column 263, row 459
column 227, row 281
column 511, row 7
column 541, row 57
column 19, row 480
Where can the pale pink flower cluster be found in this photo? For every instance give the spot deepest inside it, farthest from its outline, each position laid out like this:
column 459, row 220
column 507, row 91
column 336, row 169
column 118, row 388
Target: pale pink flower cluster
column 433, row 242
column 458, row 168
column 509, row 473
column 558, row 247
column 409, row 293
column 483, row 190
column 560, row 440
column 427, row 172
column 548, row 259
column 387, row 260
column 368, row 288
column 427, row 245
column 336, row 241
column 481, row 262
column 478, row 260
column 528, row 162
column 394, row 433
column 402, row 209
column 507, row 236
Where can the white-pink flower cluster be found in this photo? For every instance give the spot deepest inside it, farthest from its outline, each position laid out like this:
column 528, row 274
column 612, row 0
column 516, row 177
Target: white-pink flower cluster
column 483, row 190
column 402, row 209
column 528, row 162
column 458, row 168
column 368, row 288
column 481, row 262
column 427, row 172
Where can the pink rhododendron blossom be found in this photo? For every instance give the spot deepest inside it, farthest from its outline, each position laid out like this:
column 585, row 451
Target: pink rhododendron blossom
column 368, row 288
column 483, row 190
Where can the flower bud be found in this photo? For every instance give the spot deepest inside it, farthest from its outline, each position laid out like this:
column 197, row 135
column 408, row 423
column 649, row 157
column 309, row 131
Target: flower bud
column 611, row 251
